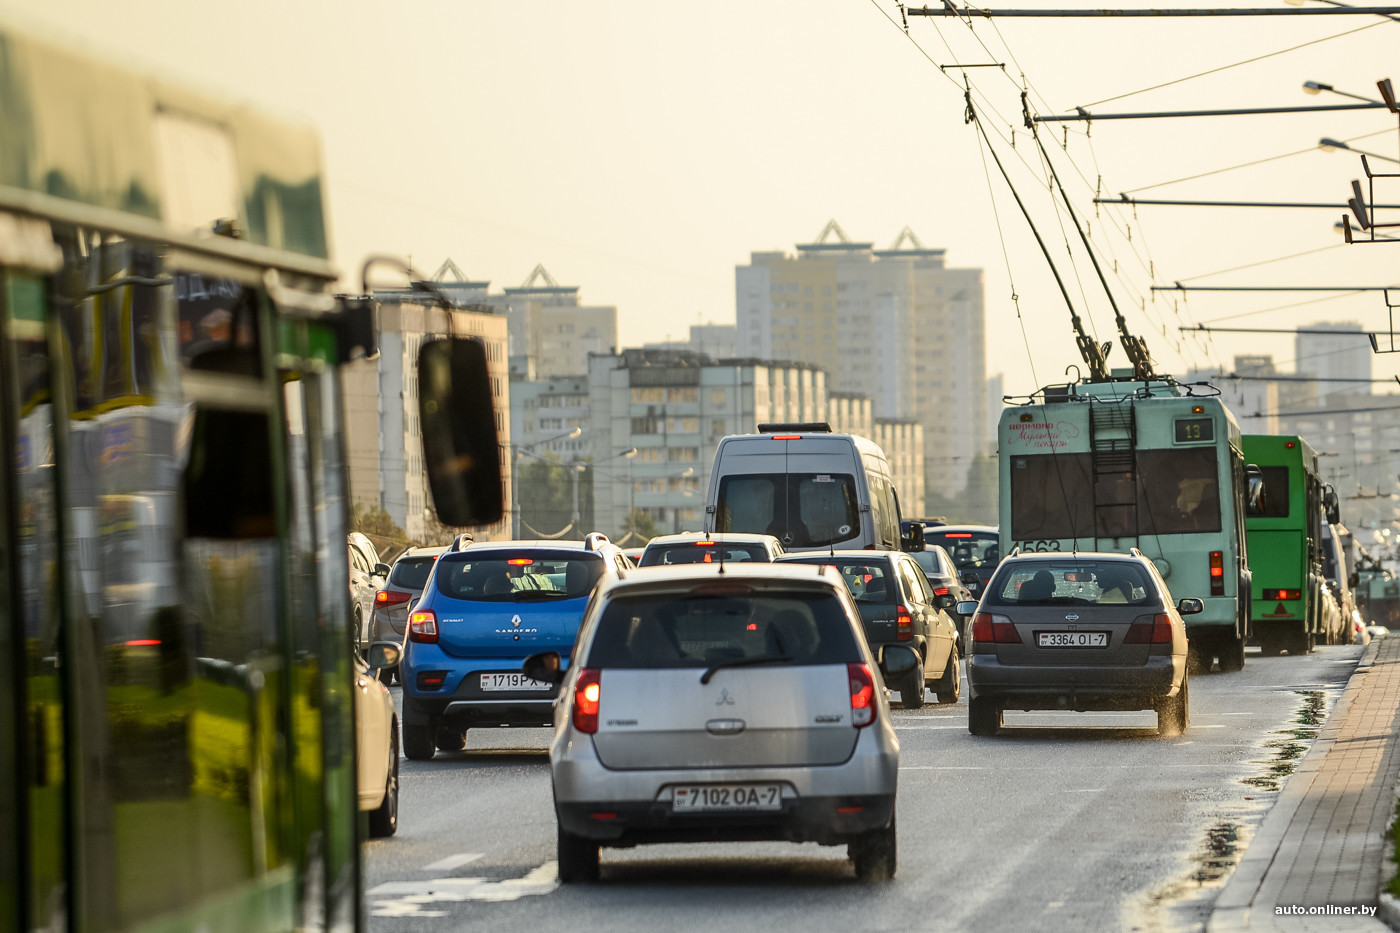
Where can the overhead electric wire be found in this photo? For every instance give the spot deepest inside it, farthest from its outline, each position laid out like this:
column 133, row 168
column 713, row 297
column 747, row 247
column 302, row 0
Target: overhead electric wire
column 1295, row 304
column 1247, row 61
column 1231, row 168
column 1263, row 262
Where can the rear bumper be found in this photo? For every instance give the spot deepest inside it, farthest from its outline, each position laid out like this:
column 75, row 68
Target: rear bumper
column 808, row 819
column 454, row 712
column 641, row 798
column 1081, row 688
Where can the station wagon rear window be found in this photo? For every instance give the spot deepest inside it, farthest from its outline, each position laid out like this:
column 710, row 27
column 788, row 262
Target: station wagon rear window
column 412, row 572
column 815, row 508
column 694, row 553
column 1072, row 583
column 696, row 631
column 518, row 576
column 870, row 582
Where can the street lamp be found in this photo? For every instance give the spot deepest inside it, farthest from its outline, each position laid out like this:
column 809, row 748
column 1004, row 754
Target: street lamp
column 515, row 450
column 1317, row 87
column 1328, row 144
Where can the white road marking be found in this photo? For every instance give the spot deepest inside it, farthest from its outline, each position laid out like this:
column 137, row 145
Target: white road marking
column 1054, row 905
column 453, row 861
column 939, row 768
column 1179, row 744
column 1087, row 790
column 408, row 898
column 925, row 728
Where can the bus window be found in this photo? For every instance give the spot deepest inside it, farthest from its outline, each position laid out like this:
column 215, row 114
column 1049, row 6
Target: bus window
column 1051, row 496
column 1268, row 495
column 1178, row 491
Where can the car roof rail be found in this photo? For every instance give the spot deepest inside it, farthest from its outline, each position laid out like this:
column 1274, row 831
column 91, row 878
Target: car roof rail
column 1136, row 553
column 460, row 542
column 1014, row 551
column 594, row 539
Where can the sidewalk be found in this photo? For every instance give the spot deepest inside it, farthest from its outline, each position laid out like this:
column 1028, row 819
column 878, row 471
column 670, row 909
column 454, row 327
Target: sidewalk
column 1324, row 842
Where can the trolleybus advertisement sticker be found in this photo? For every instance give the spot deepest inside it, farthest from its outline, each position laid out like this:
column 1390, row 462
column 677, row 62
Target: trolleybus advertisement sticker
column 1042, row 434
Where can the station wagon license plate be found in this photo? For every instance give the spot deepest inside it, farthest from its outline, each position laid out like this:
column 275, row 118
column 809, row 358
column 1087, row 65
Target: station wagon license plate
column 1072, row 639
column 703, row 798
column 511, row 682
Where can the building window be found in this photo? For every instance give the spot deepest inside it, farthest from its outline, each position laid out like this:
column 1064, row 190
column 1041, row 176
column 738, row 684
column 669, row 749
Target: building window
column 717, row 397
column 683, row 394
column 648, row 396
column 689, row 425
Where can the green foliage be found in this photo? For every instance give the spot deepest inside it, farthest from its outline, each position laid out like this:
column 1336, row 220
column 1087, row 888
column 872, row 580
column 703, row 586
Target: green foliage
column 545, row 492
column 641, row 524
column 374, row 523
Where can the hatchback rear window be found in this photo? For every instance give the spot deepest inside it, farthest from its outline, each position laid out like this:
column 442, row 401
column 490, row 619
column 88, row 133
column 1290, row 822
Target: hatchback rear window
column 1072, row 583
column 410, row 573
column 694, row 553
column 518, row 576
column 675, row 631
column 870, row 582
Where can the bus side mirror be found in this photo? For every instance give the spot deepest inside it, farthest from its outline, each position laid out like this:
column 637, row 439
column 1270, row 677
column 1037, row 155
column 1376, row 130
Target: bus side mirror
column 460, row 448
column 1256, row 494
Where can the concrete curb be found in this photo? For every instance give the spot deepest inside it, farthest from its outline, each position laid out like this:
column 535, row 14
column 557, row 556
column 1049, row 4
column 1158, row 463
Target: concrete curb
column 1234, row 908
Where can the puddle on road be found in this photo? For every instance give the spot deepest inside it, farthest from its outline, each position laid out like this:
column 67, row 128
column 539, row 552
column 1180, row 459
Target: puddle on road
column 1184, row 902
column 1289, row 745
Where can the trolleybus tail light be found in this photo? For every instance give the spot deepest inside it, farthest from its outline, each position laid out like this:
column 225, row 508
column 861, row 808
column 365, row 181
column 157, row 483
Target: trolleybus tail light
column 993, row 629
column 1275, row 595
column 904, row 624
column 386, row 598
column 1150, row 630
column 1217, row 573
column 422, row 627
column 588, row 690
column 862, row 694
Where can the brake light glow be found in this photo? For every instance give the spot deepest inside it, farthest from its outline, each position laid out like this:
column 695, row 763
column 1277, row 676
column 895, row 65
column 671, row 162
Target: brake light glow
column 787, row 437
column 520, row 561
column 588, row 691
column 1275, row 595
column 142, row 642
column 1150, row 630
column 958, row 534
column 862, row 695
column 1217, row 573
column 704, row 544
column 391, row 598
column 994, row 629
column 904, row 624
column 1289, row 445
column 422, row 627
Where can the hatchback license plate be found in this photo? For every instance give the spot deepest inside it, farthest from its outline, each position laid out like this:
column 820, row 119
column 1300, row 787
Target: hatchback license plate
column 1072, row 639
column 702, row 798
column 511, row 682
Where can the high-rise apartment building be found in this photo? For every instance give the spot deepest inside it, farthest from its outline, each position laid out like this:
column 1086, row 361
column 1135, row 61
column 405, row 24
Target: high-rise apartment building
column 551, row 330
column 1335, row 359
column 896, row 325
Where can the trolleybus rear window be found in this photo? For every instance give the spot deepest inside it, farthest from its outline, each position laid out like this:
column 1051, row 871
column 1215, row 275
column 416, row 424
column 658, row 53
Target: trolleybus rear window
column 1052, row 496
column 1178, row 491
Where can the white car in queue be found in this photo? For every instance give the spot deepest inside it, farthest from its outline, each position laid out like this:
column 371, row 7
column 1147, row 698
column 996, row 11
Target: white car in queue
column 723, row 702
column 377, row 740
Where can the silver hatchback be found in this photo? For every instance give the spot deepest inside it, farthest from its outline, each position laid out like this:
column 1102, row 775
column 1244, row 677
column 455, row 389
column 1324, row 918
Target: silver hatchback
column 723, row 703
column 1088, row 631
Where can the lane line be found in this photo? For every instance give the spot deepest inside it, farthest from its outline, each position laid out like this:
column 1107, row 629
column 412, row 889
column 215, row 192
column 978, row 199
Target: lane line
column 453, row 861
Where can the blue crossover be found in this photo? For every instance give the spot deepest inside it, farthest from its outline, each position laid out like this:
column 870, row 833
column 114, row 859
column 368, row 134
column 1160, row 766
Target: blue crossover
column 483, row 611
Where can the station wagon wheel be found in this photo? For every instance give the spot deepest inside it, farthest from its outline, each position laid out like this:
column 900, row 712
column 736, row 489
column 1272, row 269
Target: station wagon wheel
column 1174, row 713
column 983, row 716
column 949, row 687
column 911, row 691
column 578, row 858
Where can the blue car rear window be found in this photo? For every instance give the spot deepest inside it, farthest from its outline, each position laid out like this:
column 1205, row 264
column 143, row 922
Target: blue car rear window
column 518, row 576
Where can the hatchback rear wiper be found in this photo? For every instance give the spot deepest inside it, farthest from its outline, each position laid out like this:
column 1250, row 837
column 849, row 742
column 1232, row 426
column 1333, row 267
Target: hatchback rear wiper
column 745, row 662
column 525, row 596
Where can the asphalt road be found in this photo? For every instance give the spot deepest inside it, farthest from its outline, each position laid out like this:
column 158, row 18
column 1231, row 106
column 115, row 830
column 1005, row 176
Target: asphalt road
column 1065, row 821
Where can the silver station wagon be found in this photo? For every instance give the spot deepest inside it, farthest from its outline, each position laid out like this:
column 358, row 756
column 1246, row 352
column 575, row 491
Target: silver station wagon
column 724, row 703
column 1089, row 631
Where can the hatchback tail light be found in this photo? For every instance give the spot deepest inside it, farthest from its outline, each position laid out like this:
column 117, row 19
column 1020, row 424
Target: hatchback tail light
column 994, row 629
column 386, row 598
column 422, row 627
column 1150, row 630
column 862, row 694
column 1217, row 573
column 587, row 693
column 904, row 625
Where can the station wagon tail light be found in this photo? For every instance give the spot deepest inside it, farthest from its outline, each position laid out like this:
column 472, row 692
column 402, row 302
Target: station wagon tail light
column 1217, row 573
column 1150, row 630
column 1275, row 595
column 588, row 690
column 904, row 624
column 862, row 694
column 994, row 629
column 422, row 627
column 386, row 598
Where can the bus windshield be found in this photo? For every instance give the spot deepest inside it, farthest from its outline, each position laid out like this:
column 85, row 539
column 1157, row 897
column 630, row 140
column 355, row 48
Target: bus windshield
column 800, row 509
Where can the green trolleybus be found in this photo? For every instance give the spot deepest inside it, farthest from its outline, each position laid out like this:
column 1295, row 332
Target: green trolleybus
column 1284, row 525
column 177, row 745
column 1124, row 463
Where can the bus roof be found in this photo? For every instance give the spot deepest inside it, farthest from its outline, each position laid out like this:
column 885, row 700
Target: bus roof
column 91, row 142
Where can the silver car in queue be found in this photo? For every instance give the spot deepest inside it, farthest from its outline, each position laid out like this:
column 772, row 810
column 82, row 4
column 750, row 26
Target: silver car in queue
column 723, row 703
column 1085, row 631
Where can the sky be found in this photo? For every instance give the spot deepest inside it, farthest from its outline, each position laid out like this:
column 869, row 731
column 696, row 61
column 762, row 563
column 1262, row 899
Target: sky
column 640, row 151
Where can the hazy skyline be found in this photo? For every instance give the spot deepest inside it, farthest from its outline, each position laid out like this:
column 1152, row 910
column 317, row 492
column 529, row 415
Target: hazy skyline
column 642, row 151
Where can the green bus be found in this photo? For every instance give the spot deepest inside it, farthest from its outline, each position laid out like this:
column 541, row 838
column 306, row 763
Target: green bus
column 1131, row 463
column 177, row 745
column 1284, row 525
